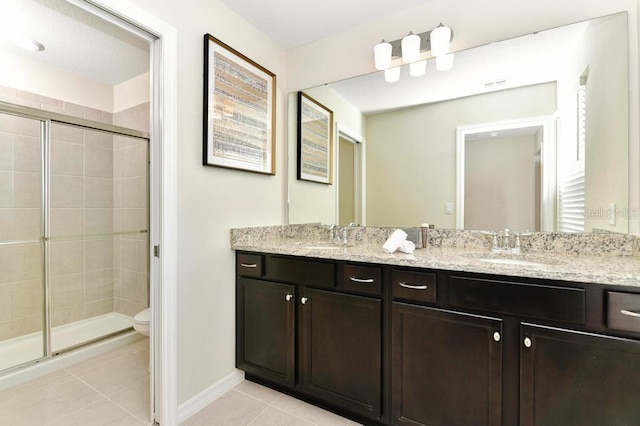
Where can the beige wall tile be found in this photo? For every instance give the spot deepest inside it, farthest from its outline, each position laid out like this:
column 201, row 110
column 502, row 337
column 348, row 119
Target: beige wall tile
column 60, row 110
column 21, row 94
column 128, row 254
column 63, row 316
column 26, row 224
column 67, row 282
column 6, row 229
column 133, row 161
column 61, row 132
column 27, row 299
column 99, row 307
column 97, row 139
column 26, row 262
column 6, row 151
column 27, row 189
column 98, row 254
column 6, row 189
column 6, row 298
column 27, row 153
column 27, row 126
column 98, row 162
column 5, row 263
column 67, row 158
column 98, row 221
column 98, row 192
column 66, row 222
column 133, row 192
column 137, row 117
column 99, row 278
column 67, row 191
column 67, row 257
column 26, row 325
column 128, row 308
column 6, row 330
column 129, row 285
column 67, row 299
column 126, row 220
column 6, row 120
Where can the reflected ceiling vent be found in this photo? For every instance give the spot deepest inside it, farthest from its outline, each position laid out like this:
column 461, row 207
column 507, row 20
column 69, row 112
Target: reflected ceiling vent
column 495, row 83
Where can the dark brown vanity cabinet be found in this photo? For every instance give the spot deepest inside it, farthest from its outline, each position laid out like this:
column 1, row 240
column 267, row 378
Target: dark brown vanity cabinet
column 266, row 321
column 575, row 378
column 299, row 326
column 341, row 349
column 446, row 367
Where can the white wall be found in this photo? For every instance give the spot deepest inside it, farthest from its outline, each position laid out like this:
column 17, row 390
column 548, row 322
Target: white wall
column 132, row 92
column 411, row 153
column 211, row 200
column 474, row 23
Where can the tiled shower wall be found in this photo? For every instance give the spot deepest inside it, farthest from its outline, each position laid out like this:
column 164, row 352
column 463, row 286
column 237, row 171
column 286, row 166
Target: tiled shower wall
column 95, row 179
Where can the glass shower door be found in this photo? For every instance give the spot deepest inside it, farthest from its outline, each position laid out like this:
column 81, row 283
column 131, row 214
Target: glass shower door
column 22, row 295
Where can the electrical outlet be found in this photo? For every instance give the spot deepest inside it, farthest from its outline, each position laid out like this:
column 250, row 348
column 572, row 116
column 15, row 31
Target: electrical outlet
column 448, row 208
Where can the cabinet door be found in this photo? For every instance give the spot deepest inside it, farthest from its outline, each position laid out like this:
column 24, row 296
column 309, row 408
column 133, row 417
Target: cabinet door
column 446, row 367
column 572, row 378
column 265, row 329
column 341, row 350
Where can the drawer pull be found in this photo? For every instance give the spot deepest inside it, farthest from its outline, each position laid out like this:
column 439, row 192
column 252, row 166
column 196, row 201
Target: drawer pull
column 249, row 265
column 413, row 287
column 630, row 313
column 362, row 280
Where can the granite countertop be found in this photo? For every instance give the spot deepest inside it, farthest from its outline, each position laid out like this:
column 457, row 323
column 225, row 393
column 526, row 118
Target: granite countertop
column 608, row 269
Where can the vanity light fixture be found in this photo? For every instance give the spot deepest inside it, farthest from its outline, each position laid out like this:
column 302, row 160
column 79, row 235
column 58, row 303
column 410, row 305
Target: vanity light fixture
column 410, row 47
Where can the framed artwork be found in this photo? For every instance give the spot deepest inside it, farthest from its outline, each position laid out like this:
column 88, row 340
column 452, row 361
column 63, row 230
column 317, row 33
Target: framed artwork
column 315, row 140
column 239, row 125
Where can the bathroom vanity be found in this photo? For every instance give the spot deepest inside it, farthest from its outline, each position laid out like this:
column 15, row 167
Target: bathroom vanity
column 437, row 338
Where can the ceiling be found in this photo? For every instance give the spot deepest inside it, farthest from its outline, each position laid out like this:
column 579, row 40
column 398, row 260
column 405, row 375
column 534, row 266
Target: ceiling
column 74, row 40
column 293, row 23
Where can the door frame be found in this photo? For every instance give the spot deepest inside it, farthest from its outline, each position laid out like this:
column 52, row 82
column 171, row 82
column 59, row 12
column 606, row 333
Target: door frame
column 163, row 195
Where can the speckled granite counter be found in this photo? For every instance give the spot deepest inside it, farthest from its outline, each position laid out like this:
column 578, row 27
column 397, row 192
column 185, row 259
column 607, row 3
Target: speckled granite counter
column 592, row 258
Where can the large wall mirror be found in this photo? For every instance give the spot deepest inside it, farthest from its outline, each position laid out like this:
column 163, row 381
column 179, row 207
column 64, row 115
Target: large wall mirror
column 529, row 133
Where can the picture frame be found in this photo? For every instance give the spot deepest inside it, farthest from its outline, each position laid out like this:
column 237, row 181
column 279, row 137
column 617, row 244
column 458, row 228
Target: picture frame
column 315, row 140
column 239, row 120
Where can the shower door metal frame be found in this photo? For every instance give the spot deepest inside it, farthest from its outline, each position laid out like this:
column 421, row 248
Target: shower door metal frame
column 46, row 119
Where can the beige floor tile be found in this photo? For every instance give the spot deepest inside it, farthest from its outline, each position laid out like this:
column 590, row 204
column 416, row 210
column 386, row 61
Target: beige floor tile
column 135, row 397
column 257, row 391
column 231, row 409
column 47, row 403
column 100, row 413
column 275, row 417
column 310, row 413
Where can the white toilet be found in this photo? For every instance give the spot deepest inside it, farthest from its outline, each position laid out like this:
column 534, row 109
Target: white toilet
column 141, row 321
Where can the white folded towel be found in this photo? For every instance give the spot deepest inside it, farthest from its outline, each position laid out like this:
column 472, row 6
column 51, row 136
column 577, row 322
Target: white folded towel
column 394, row 241
column 407, row 246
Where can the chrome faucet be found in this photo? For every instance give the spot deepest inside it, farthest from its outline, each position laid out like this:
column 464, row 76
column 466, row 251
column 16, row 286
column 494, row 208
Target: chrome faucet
column 501, row 242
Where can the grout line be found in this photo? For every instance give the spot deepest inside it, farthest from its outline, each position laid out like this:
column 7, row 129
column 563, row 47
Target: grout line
column 273, row 406
column 109, row 399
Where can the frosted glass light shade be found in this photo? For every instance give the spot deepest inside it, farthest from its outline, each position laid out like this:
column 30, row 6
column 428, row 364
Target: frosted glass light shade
column 418, row 69
column 410, row 48
column 444, row 62
column 382, row 55
column 440, row 40
column 391, row 75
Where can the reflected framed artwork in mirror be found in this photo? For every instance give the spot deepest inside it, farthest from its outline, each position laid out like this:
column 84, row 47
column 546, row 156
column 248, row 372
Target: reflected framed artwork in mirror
column 239, row 117
column 315, row 140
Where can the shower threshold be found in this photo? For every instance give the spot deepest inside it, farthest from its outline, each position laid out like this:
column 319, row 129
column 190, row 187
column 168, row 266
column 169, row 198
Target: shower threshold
column 23, row 349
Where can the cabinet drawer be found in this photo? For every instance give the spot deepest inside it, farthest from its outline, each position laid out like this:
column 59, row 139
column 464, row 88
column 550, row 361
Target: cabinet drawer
column 249, row 265
column 412, row 285
column 623, row 311
column 367, row 279
column 544, row 302
column 302, row 271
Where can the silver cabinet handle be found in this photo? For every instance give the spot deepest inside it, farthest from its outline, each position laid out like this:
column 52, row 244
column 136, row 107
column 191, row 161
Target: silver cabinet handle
column 303, row 300
column 527, row 342
column 288, row 297
column 248, row 265
column 630, row 313
column 496, row 336
column 413, row 287
column 362, row 280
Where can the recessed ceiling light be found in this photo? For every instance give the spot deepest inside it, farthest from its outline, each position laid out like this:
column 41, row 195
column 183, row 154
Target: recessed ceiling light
column 28, row 44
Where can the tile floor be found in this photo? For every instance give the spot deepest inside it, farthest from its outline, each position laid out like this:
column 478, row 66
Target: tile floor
column 113, row 389
column 252, row 404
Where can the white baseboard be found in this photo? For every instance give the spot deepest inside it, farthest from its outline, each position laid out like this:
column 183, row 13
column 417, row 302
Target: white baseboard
column 206, row 397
